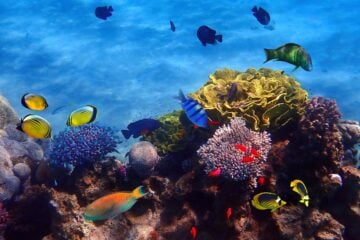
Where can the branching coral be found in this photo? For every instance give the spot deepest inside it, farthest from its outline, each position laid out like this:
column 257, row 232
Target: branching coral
column 267, row 99
column 82, row 145
column 220, row 151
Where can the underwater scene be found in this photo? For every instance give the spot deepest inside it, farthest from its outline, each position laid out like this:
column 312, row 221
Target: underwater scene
column 179, row 120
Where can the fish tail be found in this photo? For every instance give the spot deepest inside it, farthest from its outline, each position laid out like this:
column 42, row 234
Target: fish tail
column 139, row 192
column 254, row 9
column 181, row 96
column 126, row 133
column 218, row 37
column 111, row 9
column 270, row 54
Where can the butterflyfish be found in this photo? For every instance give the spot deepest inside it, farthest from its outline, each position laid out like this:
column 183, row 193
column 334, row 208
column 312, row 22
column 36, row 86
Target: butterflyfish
column 299, row 187
column 113, row 204
column 267, row 201
column 34, row 101
column 35, row 126
column 82, row 116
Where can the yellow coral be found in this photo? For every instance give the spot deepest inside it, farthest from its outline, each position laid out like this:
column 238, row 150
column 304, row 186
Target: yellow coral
column 267, row 99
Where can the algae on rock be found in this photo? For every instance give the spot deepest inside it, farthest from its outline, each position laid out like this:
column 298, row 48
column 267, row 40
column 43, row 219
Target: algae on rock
column 267, row 99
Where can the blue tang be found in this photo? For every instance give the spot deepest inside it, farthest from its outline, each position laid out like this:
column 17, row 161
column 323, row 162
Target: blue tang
column 103, row 12
column 207, row 35
column 261, row 15
column 140, row 127
column 193, row 110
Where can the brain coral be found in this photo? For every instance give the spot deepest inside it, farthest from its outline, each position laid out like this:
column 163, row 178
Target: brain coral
column 267, row 99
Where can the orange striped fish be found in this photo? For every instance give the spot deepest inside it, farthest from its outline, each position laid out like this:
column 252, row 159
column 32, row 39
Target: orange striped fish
column 113, row 204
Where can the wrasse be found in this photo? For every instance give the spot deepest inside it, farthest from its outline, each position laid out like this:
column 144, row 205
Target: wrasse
column 113, row 204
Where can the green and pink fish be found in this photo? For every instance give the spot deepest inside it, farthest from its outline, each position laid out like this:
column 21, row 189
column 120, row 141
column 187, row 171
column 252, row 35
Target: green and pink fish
column 113, row 204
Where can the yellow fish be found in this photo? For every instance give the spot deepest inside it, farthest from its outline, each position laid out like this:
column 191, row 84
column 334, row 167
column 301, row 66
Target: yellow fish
column 82, row 116
column 113, row 204
column 34, row 102
column 35, row 126
column 299, row 187
column 267, row 201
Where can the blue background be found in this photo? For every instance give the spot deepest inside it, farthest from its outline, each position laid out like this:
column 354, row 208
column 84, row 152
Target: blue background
column 131, row 65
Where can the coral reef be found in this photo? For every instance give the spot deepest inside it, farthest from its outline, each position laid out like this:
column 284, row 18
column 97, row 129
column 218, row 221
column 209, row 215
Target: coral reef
column 220, row 151
column 171, row 136
column 143, row 158
column 7, row 113
column 82, row 145
column 266, row 99
column 4, row 219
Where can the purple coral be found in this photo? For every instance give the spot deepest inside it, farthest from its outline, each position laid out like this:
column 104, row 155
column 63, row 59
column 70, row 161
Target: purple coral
column 82, row 145
column 220, row 151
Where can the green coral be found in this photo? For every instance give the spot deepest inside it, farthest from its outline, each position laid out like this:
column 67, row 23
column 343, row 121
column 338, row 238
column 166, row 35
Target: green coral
column 267, row 99
column 171, row 136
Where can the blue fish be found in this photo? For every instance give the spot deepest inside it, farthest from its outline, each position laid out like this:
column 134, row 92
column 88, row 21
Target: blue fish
column 103, row 12
column 193, row 110
column 261, row 15
column 140, row 127
column 172, row 26
column 207, row 35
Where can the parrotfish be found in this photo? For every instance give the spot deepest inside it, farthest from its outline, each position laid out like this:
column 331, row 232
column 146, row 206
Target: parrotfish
column 113, row 204
column 299, row 187
column 207, row 35
column 292, row 53
column 193, row 110
column 141, row 127
column 34, row 102
column 267, row 201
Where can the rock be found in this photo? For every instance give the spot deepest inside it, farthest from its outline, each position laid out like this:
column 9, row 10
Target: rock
column 14, row 148
column 15, row 134
column 7, row 113
column 34, row 150
column 350, row 131
column 9, row 186
column 143, row 157
column 22, row 171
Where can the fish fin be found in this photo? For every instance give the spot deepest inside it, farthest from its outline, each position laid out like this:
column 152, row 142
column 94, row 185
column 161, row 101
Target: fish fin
column 181, row 96
column 254, row 9
column 126, row 133
column 295, row 68
column 218, row 37
column 139, row 192
column 270, row 54
column 110, row 9
column 23, row 100
column 127, row 154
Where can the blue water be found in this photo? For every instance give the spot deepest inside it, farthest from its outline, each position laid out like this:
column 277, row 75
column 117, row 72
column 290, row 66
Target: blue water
column 131, row 65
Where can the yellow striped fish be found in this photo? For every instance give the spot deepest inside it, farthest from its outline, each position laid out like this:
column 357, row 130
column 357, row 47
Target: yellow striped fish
column 113, row 204
column 34, row 102
column 35, row 126
column 82, row 116
column 267, row 201
column 299, row 187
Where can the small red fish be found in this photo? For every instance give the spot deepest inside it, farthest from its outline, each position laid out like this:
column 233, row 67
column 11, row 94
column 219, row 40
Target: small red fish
column 214, row 173
column 193, row 232
column 254, row 152
column 240, row 147
column 261, row 180
column 247, row 159
column 228, row 213
column 214, row 122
